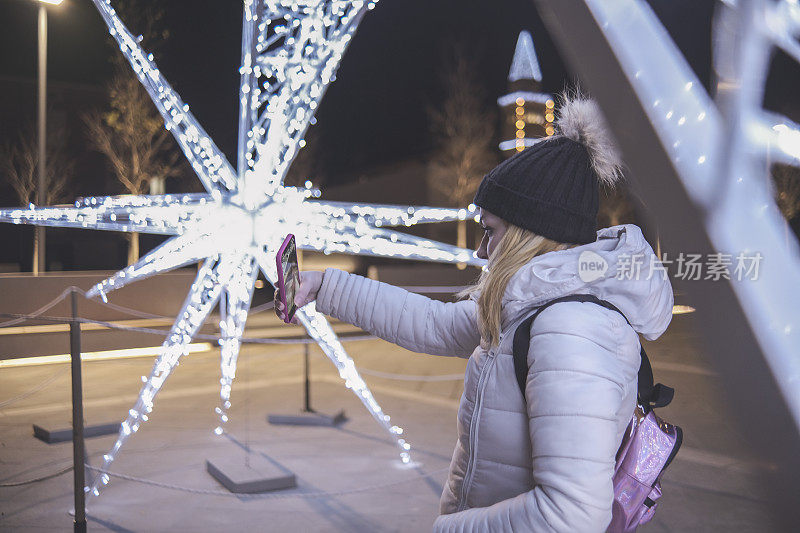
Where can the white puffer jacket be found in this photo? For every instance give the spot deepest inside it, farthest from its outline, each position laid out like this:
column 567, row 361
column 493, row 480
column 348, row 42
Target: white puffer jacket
column 544, row 463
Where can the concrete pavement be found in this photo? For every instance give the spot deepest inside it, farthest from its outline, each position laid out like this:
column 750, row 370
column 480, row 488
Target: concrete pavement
column 349, row 477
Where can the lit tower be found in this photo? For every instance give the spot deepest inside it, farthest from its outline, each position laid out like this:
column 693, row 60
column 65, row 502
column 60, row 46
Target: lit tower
column 527, row 111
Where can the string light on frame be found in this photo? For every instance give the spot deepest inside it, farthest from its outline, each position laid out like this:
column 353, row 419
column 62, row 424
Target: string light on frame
column 290, row 54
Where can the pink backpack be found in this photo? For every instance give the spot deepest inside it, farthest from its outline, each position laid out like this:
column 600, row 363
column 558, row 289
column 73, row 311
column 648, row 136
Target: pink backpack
column 649, row 444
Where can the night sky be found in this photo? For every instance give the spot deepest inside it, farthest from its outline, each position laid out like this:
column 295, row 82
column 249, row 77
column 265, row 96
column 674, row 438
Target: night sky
column 374, row 113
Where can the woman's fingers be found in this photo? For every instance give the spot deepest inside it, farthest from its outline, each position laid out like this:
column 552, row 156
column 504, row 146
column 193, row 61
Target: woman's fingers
column 301, row 296
column 310, row 283
column 278, row 305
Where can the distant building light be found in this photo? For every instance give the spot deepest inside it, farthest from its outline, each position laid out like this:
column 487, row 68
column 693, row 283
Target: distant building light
column 528, row 96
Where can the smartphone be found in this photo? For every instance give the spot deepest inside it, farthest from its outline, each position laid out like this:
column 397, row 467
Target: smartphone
column 288, row 276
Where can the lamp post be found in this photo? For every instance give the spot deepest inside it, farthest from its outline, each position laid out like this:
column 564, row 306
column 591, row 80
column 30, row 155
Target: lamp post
column 41, row 196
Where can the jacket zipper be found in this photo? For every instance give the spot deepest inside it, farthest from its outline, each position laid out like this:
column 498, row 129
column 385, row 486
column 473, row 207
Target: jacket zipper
column 473, row 426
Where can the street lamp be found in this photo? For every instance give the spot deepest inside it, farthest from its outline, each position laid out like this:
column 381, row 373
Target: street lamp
column 38, row 238
column 79, row 522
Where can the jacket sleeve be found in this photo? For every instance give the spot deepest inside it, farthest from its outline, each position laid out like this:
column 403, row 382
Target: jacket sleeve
column 578, row 389
column 413, row 321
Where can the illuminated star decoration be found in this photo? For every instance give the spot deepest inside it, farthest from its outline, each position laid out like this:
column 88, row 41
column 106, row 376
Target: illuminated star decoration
column 290, row 53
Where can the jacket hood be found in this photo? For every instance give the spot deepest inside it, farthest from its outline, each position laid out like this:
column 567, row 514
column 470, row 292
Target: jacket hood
column 620, row 267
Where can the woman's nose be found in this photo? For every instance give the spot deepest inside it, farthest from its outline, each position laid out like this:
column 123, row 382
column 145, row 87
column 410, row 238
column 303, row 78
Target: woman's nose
column 481, row 253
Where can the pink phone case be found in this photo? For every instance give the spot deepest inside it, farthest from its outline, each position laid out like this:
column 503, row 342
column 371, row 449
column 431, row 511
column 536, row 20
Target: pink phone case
column 281, row 280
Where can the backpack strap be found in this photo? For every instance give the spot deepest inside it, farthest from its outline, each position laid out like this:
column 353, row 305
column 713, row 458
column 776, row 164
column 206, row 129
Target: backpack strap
column 649, row 395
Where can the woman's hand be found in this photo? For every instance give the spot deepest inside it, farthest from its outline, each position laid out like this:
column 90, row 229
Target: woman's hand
column 310, row 284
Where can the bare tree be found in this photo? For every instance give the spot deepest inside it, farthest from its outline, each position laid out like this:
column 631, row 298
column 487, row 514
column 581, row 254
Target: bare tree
column 463, row 128
column 615, row 207
column 19, row 164
column 130, row 132
column 786, row 187
column 786, row 180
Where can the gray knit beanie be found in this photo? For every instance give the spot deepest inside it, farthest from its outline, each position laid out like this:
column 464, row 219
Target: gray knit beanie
column 552, row 187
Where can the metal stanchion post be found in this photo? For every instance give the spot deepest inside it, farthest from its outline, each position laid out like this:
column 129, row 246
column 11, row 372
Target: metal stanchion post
column 78, row 450
column 308, row 416
column 307, row 372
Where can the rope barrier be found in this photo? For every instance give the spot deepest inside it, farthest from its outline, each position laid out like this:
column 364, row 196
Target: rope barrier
column 144, row 314
column 410, row 377
column 210, row 492
column 317, row 494
column 122, row 308
column 215, row 338
column 18, row 318
column 163, row 332
column 45, row 307
column 38, row 315
column 46, row 476
column 40, row 386
column 134, row 312
column 38, row 479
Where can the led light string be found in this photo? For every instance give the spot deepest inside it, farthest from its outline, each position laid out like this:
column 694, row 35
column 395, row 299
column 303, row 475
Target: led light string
column 290, row 54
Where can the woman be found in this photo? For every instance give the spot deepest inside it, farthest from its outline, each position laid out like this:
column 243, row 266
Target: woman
column 544, row 462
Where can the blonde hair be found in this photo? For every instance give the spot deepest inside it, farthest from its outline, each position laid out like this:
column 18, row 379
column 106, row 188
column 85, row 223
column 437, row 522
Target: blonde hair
column 515, row 249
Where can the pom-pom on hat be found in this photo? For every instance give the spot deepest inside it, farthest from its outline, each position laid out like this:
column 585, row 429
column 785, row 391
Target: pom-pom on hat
column 552, row 187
